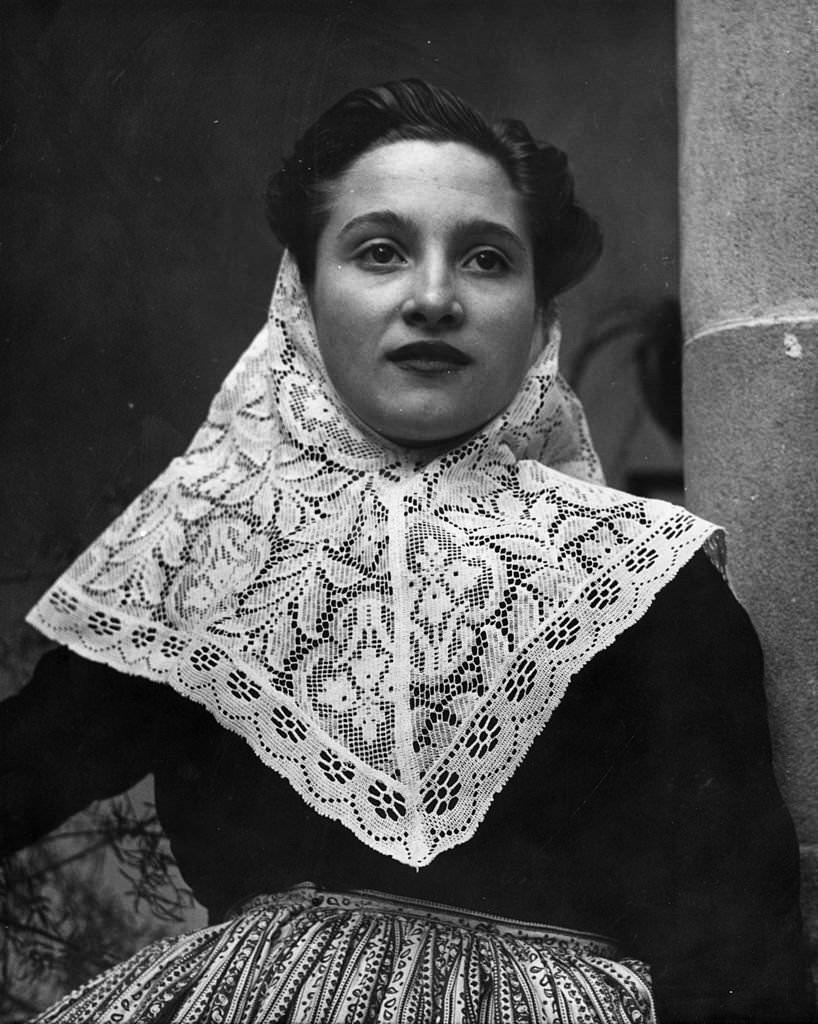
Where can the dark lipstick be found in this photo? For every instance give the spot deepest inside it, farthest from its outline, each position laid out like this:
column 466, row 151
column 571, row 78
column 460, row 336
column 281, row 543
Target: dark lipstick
column 429, row 356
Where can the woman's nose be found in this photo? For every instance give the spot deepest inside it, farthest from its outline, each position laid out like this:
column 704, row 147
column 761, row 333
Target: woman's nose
column 433, row 301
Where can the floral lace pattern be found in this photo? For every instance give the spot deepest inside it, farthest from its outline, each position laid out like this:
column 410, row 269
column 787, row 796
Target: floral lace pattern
column 390, row 635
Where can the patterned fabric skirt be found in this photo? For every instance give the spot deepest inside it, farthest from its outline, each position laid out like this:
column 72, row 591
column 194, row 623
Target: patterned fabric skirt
column 310, row 957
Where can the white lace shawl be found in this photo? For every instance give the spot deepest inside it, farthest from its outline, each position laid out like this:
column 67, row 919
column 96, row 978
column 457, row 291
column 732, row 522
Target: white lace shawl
column 390, row 636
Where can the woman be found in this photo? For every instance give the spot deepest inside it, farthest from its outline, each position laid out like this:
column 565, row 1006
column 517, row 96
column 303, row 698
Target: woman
column 392, row 650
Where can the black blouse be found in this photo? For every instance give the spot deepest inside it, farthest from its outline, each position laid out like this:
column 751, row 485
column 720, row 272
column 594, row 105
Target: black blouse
column 646, row 809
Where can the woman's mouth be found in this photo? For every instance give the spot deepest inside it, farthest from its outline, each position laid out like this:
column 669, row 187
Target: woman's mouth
column 429, row 357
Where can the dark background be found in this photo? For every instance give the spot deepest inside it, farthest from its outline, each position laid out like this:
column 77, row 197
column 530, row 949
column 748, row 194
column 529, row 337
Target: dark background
column 136, row 141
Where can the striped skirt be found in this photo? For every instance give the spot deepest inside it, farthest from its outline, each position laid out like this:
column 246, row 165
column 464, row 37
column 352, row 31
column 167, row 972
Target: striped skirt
column 310, row 957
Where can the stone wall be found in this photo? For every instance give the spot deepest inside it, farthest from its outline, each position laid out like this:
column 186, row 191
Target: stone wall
column 748, row 96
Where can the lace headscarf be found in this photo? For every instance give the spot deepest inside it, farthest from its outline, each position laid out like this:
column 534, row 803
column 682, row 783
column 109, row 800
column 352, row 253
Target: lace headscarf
column 389, row 631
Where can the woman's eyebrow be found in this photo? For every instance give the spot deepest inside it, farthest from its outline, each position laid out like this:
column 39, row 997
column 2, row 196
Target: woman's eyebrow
column 386, row 219
column 490, row 227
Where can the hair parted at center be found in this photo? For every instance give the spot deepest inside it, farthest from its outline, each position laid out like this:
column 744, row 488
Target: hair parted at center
column 567, row 241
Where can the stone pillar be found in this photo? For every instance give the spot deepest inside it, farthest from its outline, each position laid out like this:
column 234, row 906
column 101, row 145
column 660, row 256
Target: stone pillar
column 748, row 91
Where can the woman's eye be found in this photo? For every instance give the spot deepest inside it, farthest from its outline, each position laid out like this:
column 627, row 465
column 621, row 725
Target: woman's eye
column 488, row 260
column 380, row 253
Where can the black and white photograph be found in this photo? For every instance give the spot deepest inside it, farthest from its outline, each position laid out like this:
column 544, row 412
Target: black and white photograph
column 409, row 556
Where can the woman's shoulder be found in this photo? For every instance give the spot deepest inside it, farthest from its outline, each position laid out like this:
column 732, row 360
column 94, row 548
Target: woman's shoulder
column 74, row 700
column 691, row 663
column 696, row 609
column 691, row 669
column 64, row 673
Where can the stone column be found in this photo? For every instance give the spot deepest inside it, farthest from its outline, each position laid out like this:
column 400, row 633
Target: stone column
column 748, row 91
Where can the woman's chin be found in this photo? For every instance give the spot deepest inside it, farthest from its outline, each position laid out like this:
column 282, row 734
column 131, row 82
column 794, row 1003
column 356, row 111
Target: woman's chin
column 426, row 437
column 422, row 428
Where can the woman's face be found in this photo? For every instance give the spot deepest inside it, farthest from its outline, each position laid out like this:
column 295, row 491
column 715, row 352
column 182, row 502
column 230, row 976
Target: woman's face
column 423, row 294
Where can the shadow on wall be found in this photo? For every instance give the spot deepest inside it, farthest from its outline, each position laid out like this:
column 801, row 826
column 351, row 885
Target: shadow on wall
column 646, row 341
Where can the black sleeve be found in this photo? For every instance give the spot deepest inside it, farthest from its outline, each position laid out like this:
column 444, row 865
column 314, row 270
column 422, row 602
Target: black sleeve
column 77, row 732
column 718, row 910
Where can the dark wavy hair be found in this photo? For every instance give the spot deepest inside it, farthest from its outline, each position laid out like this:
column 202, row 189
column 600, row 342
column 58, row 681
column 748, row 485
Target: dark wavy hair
column 567, row 241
